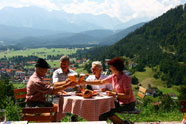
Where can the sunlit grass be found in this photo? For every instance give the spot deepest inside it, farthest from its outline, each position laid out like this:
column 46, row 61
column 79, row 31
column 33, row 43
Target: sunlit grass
column 40, row 52
column 147, row 77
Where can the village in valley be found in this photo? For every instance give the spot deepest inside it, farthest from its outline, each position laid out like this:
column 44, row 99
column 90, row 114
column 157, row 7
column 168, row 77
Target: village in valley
column 17, row 73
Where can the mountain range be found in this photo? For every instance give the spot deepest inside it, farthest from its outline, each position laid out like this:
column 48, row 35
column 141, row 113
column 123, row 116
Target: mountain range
column 39, row 18
column 29, row 37
column 36, row 27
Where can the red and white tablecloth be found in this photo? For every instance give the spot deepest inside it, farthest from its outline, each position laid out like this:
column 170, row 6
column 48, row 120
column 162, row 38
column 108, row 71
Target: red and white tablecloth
column 88, row 108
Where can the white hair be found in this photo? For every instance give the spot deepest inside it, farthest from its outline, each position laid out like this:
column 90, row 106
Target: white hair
column 98, row 64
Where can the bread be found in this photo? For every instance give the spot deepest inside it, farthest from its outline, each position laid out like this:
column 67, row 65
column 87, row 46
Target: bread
column 87, row 94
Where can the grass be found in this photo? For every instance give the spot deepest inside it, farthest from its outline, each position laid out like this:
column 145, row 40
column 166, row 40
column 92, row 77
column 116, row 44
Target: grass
column 147, row 77
column 54, row 63
column 40, row 52
column 19, row 85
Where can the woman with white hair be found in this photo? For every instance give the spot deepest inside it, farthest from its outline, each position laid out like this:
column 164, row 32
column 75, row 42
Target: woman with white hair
column 98, row 75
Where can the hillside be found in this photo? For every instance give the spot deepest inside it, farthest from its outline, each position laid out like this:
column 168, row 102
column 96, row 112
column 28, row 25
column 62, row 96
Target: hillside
column 110, row 40
column 159, row 43
column 35, row 38
column 13, row 33
column 82, row 38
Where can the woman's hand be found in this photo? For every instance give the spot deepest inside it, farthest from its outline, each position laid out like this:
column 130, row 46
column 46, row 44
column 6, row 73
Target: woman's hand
column 82, row 82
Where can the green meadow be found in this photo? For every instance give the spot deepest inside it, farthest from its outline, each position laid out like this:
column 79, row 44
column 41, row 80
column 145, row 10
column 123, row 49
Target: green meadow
column 40, row 52
column 147, row 77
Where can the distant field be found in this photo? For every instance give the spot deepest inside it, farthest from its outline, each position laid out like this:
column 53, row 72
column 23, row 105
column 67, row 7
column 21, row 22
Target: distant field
column 40, row 52
column 19, row 85
column 146, row 78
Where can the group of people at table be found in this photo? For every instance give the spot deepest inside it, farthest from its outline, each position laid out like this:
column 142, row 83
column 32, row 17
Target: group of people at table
column 117, row 85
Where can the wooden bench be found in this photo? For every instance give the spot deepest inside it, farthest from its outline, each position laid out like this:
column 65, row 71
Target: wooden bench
column 36, row 114
column 41, row 114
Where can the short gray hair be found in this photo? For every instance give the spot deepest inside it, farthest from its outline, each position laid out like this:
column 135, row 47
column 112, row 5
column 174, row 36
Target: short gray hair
column 98, row 64
column 64, row 58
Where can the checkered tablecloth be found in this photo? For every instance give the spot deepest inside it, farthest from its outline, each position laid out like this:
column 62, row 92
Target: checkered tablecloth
column 88, row 108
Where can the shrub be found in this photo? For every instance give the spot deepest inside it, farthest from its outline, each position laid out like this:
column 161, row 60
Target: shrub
column 167, row 103
column 7, row 101
column 182, row 90
column 6, row 89
column 148, row 100
column 11, row 110
column 134, row 80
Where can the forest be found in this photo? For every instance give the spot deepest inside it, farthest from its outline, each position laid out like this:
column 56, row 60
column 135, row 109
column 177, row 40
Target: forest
column 159, row 44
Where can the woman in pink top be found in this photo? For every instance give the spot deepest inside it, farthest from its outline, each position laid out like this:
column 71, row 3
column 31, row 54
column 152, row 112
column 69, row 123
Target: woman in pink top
column 125, row 100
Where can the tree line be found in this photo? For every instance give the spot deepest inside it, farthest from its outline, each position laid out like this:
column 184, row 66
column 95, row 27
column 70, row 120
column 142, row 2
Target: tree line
column 158, row 44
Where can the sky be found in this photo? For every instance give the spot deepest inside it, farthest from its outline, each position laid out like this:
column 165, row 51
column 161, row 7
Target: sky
column 124, row 10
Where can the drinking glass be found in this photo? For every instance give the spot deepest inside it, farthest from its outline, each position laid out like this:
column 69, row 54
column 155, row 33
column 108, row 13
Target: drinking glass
column 2, row 116
column 72, row 77
column 81, row 77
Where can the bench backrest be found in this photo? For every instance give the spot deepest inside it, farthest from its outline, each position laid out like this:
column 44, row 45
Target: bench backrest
column 19, row 96
column 36, row 114
column 141, row 95
column 41, row 114
column 142, row 92
column 20, row 93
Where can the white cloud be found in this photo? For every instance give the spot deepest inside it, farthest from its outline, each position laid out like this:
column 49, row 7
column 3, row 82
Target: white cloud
column 22, row 3
column 41, row 3
column 124, row 10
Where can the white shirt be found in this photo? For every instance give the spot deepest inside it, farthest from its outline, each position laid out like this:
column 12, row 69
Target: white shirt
column 98, row 87
column 59, row 76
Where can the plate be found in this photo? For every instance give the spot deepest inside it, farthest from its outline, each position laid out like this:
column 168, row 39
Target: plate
column 80, row 94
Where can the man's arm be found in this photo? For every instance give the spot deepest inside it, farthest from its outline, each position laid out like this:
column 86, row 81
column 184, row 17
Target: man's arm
column 59, row 83
column 68, row 84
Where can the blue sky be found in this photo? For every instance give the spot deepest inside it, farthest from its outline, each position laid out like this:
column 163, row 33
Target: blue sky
column 124, row 10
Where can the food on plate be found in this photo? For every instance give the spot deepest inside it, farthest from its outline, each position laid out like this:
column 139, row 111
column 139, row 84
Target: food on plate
column 82, row 90
column 87, row 94
column 95, row 93
column 103, row 89
column 78, row 93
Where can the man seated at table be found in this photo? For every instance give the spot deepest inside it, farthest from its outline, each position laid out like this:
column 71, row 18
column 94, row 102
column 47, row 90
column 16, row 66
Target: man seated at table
column 98, row 75
column 37, row 88
column 61, row 74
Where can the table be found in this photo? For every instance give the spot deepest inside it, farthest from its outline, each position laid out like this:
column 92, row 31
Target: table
column 88, row 108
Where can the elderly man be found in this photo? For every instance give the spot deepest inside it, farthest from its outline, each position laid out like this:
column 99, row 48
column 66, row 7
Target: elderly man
column 37, row 88
column 61, row 74
column 98, row 75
